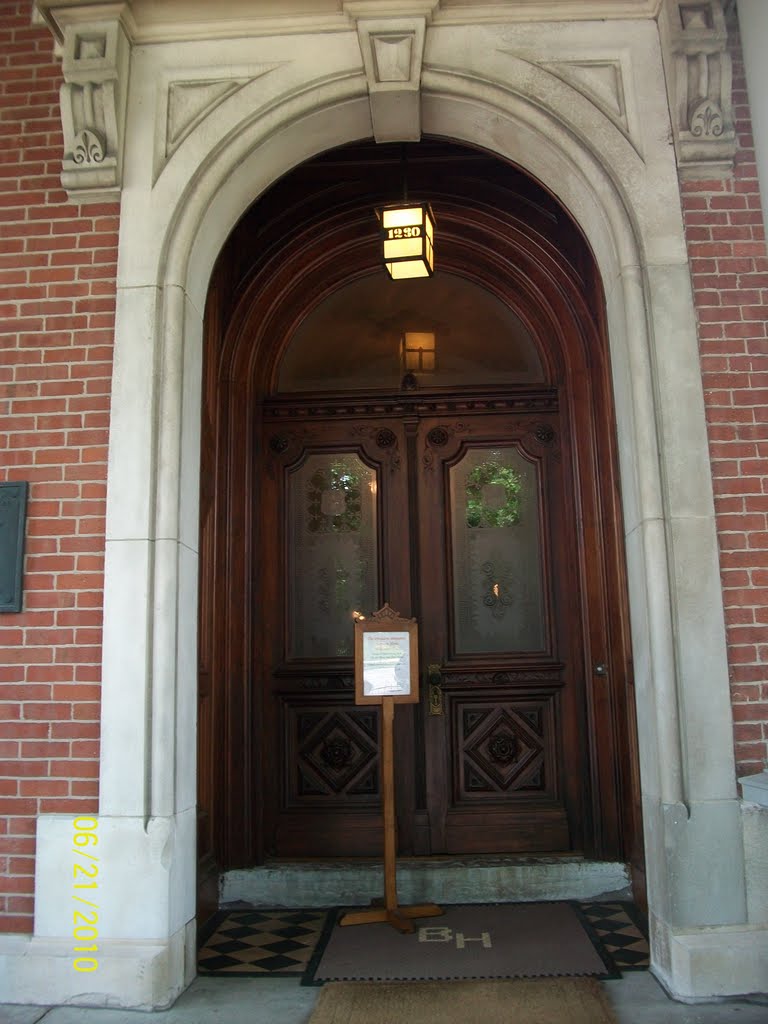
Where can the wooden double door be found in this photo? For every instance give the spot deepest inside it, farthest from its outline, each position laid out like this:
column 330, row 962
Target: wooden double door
column 465, row 515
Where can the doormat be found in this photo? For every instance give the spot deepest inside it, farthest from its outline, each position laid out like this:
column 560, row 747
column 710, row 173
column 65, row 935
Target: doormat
column 249, row 942
column 512, row 940
column 541, row 1001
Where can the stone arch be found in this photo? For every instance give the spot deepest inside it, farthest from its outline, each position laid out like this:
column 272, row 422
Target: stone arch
column 680, row 662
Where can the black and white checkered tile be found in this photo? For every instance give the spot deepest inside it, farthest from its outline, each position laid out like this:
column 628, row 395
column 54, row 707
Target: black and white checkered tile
column 260, row 942
column 622, row 930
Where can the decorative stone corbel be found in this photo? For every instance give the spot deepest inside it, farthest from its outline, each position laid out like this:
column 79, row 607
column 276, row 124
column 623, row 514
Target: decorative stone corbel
column 393, row 49
column 698, row 71
column 93, row 104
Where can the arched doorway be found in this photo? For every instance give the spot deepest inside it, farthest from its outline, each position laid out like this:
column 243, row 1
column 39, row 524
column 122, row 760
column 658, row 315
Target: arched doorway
column 621, row 187
column 532, row 746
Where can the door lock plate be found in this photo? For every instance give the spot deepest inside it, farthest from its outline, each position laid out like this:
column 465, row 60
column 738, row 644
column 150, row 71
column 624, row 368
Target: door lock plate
column 435, row 678
column 435, row 699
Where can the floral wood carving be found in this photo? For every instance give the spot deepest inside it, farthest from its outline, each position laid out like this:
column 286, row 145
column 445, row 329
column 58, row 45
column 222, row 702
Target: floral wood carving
column 544, row 434
column 337, row 752
column 438, row 437
column 386, row 440
column 502, row 747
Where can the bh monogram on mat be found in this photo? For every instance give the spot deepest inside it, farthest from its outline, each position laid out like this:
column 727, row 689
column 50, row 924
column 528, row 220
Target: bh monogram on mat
column 433, row 934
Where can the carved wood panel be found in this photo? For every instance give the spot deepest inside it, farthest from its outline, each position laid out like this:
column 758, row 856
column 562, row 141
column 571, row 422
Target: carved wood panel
column 503, row 747
column 331, row 753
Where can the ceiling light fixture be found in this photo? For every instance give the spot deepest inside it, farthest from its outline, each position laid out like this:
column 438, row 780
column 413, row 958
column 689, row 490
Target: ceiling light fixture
column 407, row 236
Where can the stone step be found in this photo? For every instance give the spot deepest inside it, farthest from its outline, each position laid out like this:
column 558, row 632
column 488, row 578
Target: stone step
column 425, row 880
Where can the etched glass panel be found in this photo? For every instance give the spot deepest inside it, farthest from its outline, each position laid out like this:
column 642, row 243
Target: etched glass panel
column 497, row 587
column 332, row 553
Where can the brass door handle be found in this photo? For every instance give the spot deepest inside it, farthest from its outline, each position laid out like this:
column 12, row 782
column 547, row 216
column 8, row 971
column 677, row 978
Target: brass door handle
column 435, row 681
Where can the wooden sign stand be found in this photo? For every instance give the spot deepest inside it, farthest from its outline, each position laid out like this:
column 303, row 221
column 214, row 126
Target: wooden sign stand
column 386, row 674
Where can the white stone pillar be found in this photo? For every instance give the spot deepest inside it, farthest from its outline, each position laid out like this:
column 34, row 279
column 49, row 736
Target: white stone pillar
column 753, row 20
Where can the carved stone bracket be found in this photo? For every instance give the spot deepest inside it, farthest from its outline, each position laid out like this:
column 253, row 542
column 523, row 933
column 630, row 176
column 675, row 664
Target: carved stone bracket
column 392, row 49
column 93, row 103
column 698, row 71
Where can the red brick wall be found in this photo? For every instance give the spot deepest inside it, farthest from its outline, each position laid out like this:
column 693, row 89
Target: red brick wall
column 57, row 297
column 726, row 243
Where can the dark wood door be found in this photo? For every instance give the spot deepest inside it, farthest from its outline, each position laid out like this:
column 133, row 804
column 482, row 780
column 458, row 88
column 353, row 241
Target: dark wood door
column 466, row 523
column 335, row 541
column 500, row 621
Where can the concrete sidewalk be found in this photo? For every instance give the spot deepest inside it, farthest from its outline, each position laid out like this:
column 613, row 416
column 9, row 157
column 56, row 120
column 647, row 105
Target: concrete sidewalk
column 637, row 999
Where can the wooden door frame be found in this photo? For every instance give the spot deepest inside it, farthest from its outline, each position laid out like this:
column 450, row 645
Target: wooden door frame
column 312, row 233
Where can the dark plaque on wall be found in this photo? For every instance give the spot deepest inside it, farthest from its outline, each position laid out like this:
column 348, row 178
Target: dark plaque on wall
column 13, row 508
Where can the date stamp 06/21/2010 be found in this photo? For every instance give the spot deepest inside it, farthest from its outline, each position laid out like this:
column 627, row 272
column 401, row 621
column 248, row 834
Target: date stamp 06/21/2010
column 85, row 887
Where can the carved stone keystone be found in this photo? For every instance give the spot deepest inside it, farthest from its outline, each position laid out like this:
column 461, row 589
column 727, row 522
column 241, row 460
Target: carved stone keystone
column 392, row 48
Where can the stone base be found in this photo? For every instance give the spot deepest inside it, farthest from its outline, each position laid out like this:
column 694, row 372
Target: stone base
column 705, row 964
column 420, row 880
column 755, row 822
column 135, row 975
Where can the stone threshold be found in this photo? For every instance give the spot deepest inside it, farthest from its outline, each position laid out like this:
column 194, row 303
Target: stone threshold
column 491, row 879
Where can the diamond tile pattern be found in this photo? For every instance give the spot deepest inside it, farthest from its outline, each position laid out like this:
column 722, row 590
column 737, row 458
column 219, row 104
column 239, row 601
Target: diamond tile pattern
column 622, row 930
column 270, row 943
column 260, row 942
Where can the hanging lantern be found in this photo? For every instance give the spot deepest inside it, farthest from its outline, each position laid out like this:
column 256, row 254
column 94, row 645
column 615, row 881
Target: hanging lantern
column 408, row 239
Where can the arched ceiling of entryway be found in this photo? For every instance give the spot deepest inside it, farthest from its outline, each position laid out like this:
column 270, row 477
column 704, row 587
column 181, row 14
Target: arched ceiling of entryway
column 315, row 231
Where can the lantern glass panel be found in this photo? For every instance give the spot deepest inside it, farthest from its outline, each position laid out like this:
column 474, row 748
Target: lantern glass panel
column 411, row 268
column 407, row 234
column 400, row 248
column 401, row 217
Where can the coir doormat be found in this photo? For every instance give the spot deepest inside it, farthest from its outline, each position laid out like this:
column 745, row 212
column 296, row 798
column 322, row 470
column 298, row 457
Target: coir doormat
column 539, row 1001
column 521, row 940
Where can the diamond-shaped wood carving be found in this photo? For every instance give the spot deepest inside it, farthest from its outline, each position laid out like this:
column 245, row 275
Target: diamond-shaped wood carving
column 503, row 749
column 337, row 753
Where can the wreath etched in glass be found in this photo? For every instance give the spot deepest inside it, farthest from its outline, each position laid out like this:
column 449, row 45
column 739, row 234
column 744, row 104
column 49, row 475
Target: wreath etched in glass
column 493, row 495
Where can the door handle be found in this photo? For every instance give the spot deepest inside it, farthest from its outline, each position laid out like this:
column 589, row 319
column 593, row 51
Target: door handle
column 435, row 681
